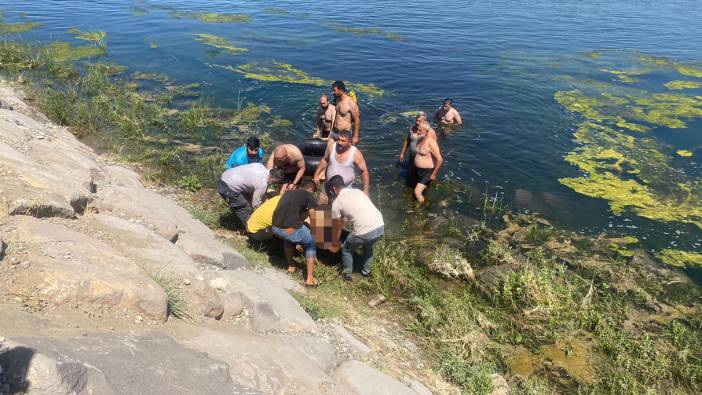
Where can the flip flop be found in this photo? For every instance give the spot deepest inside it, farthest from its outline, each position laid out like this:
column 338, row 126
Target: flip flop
column 311, row 285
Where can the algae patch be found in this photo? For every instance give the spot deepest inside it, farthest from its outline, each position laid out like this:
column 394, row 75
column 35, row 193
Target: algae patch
column 218, row 42
column 65, row 52
column 368, row 31
column 683, row 153
column 212, row 17
column 680, row 259
column 283, row 72
column 96, row 37
column 19, row 27
column 677, row 85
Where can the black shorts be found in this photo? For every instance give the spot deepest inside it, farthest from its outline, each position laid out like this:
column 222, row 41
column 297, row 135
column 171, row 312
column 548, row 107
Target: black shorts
column 424, row 176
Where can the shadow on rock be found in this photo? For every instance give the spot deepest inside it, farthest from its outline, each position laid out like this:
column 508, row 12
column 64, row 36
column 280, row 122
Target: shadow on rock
column 15, row 365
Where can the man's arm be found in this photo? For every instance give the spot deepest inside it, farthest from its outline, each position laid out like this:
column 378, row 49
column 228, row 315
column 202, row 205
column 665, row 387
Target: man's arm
column 436, row 153
column 405, row 145
column 457, row 119
column 300, row 170
column 230, row 161
column 258, row 195
column 356, row 118
column 270, row 163
column 320, row 121
column 360, row 163
column 322, row 165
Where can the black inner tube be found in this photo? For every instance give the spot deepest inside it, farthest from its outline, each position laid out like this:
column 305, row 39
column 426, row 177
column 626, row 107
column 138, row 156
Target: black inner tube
column 313, row 150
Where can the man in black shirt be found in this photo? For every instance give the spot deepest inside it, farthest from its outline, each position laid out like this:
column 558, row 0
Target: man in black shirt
column 288, row 225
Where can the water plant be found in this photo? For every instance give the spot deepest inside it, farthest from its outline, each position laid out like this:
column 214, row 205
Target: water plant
column 367, row 31
column 219, row 43
column 97, row 37
column 18, row 27
column 211, row 17
column 680, row 259
column 64, row 52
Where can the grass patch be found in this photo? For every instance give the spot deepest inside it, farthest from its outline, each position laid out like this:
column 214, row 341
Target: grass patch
column 170, row 284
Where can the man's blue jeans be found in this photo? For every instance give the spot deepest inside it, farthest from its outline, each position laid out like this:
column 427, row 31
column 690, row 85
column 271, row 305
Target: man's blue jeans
column 298, row 236
column 366, row 242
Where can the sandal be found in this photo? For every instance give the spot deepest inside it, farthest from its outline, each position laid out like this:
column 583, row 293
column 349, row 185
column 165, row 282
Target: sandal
column 312, row 285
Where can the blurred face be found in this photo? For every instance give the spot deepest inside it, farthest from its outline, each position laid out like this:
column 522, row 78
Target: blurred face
column 251, row 151
column 342, row 144
column 420, row 118
column 323, row 102
column 336, row 92
column 446, row 106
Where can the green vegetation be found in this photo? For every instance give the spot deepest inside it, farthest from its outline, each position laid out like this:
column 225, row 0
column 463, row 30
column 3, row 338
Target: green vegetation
column 212, row 17
column 97, row 37
column 177, row 305
column 286, row 73
column 275, row 11
column 684, row 153
column 680, row 259
column 368, row 31
column 14, row 28
column 682, row 85
column 219, row 43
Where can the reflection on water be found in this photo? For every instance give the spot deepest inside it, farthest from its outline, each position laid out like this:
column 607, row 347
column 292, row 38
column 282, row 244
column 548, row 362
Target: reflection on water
column 501, row 63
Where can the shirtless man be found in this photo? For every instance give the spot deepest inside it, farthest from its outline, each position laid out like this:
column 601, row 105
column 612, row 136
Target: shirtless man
column 289, row 158
column 342, row 159
column 325, row 118
column 447, row 115
column 427, row 160
column 409, row 148
column 346, row 111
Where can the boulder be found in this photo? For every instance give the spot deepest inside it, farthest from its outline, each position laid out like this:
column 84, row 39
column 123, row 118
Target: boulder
column 233, row 304
column 416, row 386
column 170, row 221
column 272, row 307
column 119, row 364
column 358, row 347
column 365, row 380
column 272, row 364
column 68, row 267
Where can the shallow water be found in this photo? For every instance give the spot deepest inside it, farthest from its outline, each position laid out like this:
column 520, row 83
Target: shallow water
column 501, row 62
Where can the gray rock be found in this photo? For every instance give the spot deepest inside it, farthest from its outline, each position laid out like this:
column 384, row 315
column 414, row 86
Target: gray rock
column 172, row 222
column 232, row 303
column 214, row 309
column 95, row 277
column 416, row 386
column 499, row 384
column 143, row 245
column 357, row 346
column 363, row 379
column 119, row 364
column 272, row 307
column 271, row 364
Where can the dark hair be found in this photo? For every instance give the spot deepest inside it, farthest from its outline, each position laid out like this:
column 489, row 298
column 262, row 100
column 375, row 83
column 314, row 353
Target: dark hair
column 448, row 101
column 308, row 185
column 253, row 142
column 276, row 175
column 339, row 85
column 334, row 182
column 345, row 134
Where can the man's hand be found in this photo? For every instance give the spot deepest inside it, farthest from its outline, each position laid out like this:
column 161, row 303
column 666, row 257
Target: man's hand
column 335, row 247
column 432, row 177
column 316, row 179
column 402, row 157
column 355, row 140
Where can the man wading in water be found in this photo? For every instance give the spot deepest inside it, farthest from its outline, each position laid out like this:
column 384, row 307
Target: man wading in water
column 447, row 115
column 346, row 111
column 325, row 119
column 427, row 160
column 342, row 159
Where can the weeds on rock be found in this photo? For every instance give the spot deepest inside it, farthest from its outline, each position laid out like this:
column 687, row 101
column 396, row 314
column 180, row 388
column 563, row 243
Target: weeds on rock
column 170, row 284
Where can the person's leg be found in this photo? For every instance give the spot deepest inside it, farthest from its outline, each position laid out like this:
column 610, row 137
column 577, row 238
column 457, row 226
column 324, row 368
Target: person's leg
column 308, row 244
column 370, row 239
column 347, row 248
column 288, row 247
column 418, row 192
column 261, row 235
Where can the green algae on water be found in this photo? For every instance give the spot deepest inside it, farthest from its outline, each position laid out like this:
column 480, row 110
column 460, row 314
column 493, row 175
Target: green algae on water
column 64, row 52
column 275, row 11
column 139, row 11
column 96, row 37
column 372, row 31
column 690, row 71
column 283, row 72
column 683, row 153
column 676, row 85
column 212, row 17
column 219, row 43
column 681, row 259
column 20, row 27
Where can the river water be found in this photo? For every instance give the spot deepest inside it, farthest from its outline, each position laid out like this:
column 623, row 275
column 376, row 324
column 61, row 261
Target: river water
column 501, row 62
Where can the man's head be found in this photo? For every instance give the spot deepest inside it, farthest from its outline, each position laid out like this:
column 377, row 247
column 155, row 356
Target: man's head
column 276, row 176
column 448, row 103
column 423, row 128
column 338, row 88
column 333, row 187
column 323, row 101
column 343, row 140
column 308, row 186
column 421, row 117
column 280, row 154
column 252, row 146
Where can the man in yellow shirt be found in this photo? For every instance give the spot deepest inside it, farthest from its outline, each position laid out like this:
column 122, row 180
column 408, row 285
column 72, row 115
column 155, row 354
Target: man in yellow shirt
column 258, row 227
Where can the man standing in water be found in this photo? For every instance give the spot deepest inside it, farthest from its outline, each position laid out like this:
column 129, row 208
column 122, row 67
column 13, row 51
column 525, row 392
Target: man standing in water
column 342, row 159
column 353, row 206
column 346, row 111
column 447, row 115
column 289, row 158
column 325, row 118
column 409, row 148
column 427, row 160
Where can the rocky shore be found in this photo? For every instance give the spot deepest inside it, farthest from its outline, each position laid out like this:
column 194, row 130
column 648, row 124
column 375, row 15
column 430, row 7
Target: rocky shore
column 107, row 286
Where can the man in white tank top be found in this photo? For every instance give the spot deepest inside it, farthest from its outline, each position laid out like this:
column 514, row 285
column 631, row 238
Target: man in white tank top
column 342, row 159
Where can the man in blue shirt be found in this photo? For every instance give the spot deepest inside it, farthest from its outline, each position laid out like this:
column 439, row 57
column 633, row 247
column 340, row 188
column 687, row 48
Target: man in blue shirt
column 249, row 153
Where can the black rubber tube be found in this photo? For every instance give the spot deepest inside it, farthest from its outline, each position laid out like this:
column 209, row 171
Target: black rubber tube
column 313, row 150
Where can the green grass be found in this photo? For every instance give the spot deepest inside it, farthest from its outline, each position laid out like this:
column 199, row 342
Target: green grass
column 176, row 305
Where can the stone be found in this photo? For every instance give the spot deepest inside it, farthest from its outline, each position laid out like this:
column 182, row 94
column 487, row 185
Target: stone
column 3, row 248
column 358, row 347
column 233, row 304
column 273, row 364
column 96, row 277
column 377, row 300
column 106, row 364
column 363, row 379
column 273, row 309
column 186, row 281
column 25, row 265
column 416, row 386
column 171, row 222
column 142, row 245
column 499, row 385
column 489, row 279
column 214, row 309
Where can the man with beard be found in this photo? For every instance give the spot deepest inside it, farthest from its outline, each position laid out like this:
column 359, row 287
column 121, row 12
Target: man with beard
column 342, row 159
column 289, row 158
column 325, row 118
column 347, row 114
